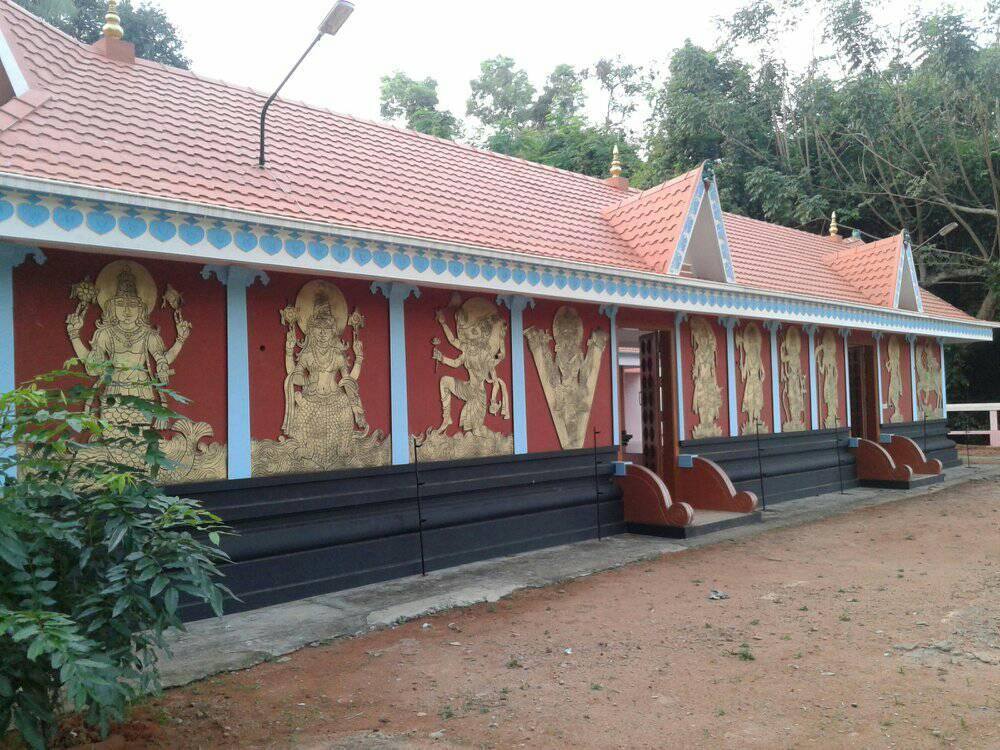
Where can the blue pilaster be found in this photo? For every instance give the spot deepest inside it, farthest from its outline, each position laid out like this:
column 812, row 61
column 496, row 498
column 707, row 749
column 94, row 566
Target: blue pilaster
column 877, row 338
column 734, row 420
column 397, row 294
column 517, row 304
column 845, row 334
column 237, row 280
column 813, row 395
column 912, row 340
column 612, row 312
column 772, row 326
column 679, row 319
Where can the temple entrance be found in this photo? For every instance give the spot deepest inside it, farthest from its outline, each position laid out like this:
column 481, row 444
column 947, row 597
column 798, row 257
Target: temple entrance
column 864, row 392
column 648, row 396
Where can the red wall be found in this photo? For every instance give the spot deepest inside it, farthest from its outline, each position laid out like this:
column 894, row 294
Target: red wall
column 42, row 302
column 767, row 412
column 541, row 429
column 905, row 401
column 267, row 350
column 422, row 377
column 721, row 374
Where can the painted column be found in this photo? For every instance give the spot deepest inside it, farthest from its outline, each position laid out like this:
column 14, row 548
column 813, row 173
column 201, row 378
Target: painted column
column 772, row 326
column 612, row 312
column 679, row 319
column 813, row 396
column 516, row 304
column 397, row 293
column 877, row 338
column 912, row 339
column 237, row 279
column 11, row 256
column 944, row 382
column 734, row 421
column 846, row 333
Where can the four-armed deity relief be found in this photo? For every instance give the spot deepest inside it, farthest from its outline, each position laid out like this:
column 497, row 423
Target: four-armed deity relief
column 324, row 427
column 894, row 395
column 829, row 376
column 794, row 385
column 929, row 380
column 753, row 374
column 480, row 337
column 126, row 294
column 569, row 376
column 706, row 401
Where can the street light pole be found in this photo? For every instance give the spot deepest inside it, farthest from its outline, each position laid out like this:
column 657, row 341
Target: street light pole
column 331, row 25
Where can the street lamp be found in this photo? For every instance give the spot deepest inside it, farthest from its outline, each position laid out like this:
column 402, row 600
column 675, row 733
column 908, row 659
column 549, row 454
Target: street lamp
column 331, row 24
column 946, row 229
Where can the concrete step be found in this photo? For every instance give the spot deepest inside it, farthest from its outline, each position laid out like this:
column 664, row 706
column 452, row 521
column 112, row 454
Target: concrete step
column 917, row 480
column 705, row 522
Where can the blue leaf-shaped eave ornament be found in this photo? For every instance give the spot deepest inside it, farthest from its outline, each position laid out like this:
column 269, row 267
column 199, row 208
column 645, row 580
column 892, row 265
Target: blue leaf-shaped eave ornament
column 67, row 217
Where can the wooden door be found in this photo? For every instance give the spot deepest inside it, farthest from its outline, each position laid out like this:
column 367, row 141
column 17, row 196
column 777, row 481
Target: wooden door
column 864, row 392
column 658, row 405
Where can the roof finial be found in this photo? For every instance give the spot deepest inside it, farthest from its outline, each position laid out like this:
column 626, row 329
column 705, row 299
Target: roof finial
column 834, row 227
column 616, row 163
column 112, row 28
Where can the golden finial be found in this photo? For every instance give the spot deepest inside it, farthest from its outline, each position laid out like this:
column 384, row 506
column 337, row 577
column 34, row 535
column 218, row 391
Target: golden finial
column 834, row 228
column 112, row 28
column 616, row 163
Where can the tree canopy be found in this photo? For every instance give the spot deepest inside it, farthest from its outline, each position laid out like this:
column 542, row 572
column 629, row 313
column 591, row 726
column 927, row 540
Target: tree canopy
column 147, row 26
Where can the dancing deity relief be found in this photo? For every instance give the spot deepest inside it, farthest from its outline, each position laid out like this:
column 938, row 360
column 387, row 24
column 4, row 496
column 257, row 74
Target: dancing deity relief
column 752, row 372
column 325, row 426
column 569, row 377
column 829, row 377
column 929, row 380
column 480, row 338
column 894, row 371
column 794, row 386
column 706, row 401
column 126, row 294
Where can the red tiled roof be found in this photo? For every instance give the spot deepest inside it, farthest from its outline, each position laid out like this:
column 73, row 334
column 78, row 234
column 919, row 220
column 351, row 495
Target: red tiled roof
column 871, row 268
column 164, row 132
column 650, row 222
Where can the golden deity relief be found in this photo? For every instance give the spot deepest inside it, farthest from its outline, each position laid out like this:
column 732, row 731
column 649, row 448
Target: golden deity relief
column 793, row 380
column 707, row 397
column 324, row 426
column 895, row 375
column 749, row 346
column 569, row 376
column 929, row 380
column 126, row 294
column 480, row 337
column 829, row 379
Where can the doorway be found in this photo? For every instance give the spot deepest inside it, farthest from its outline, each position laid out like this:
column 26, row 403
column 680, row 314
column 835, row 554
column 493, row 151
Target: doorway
column 863, row 386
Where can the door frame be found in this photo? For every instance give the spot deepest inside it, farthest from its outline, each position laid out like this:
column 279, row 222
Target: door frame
column 661, row 388
column 868, row 401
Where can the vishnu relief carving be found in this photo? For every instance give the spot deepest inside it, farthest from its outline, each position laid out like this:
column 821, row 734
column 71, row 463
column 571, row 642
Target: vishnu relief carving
column 480, row 338
column 794, row 385
column 829, row 379
column 568, row 377
column 706, row 400
column 126, row 293
column 895, row 377
column 324, row 426
column 749, row 344
column 929, row 380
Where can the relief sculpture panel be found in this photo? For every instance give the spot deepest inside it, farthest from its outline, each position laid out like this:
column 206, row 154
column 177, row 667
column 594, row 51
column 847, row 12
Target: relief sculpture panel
column 828, row 369
column 929, row 380
column 568, row 372
column 794, row 385
column 324, row 426
column 893, row 367
column 126, row 294
column 752, row 373
column 480, row 339
column 706, row 400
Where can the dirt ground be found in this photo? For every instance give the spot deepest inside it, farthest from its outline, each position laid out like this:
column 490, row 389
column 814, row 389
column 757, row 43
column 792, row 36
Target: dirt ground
column 880, row 628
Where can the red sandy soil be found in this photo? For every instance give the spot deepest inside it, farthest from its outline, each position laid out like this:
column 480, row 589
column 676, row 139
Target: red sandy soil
column 879, row 628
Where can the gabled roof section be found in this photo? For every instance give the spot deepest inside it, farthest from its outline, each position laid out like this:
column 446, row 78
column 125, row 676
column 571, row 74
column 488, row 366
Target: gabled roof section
column 871, row 268
column 677, row 228
column 907, row 295
column 12, row 79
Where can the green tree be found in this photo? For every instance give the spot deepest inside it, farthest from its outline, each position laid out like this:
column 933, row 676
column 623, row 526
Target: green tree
column 501, row 98
column 416, row 103
column 146, row 26
column 562, row 97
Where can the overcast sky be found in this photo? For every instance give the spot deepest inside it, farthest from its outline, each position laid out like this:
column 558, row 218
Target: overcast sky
column 254, row 42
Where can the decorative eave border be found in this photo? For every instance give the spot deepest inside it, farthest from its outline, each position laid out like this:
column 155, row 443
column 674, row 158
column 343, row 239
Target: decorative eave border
column 908, row 267
column 102, row 220
column 706, row 187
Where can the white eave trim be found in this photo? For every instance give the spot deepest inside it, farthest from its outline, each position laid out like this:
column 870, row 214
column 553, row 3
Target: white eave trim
column 8, row 61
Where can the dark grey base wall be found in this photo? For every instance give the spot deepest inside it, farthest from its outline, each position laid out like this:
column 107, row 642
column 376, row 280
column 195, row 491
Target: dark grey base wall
column 307, row 535
column 795, row 464
column 937, row 444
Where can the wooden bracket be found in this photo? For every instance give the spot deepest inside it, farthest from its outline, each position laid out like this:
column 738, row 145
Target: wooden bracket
column 906, row 452
column 875, row 464
column 647, row 500
column 705, row 486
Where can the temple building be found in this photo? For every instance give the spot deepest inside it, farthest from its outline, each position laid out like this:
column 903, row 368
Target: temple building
column 404, row 353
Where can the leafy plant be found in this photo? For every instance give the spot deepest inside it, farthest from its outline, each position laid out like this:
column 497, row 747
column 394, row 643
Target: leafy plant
column 94, row 557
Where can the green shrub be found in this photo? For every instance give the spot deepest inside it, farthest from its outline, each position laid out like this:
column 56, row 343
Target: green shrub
column 94, row 557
